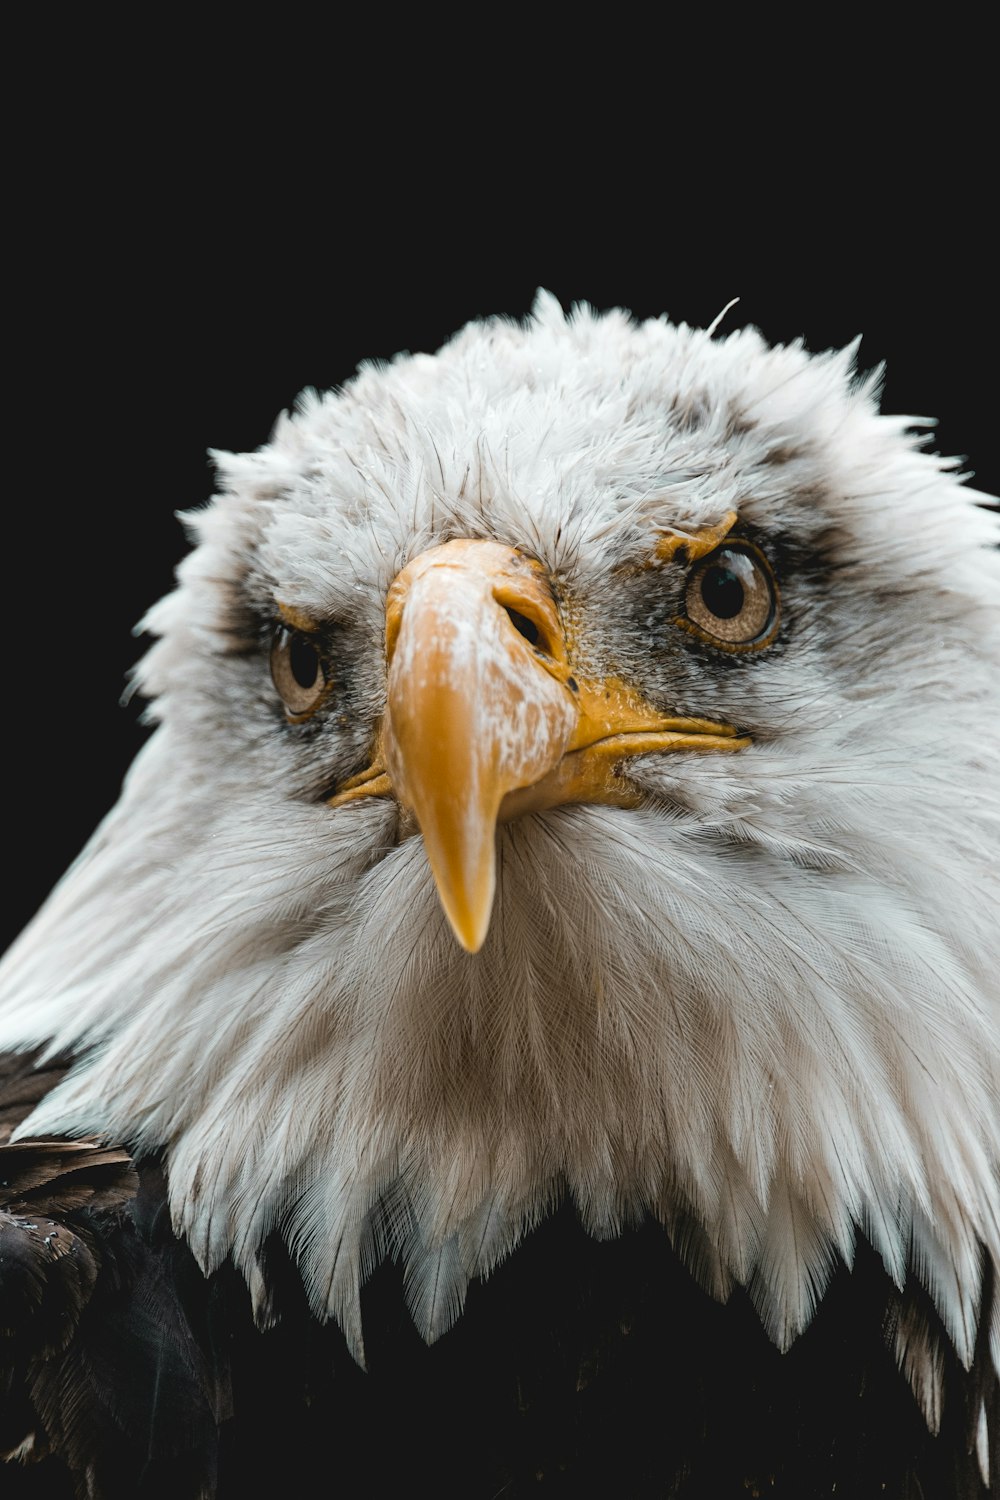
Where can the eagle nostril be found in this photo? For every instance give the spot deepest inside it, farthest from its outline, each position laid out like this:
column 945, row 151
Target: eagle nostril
column 527, row 628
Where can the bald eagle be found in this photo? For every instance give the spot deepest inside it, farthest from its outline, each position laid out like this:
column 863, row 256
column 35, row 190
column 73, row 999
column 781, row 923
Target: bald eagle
column 531, row 1021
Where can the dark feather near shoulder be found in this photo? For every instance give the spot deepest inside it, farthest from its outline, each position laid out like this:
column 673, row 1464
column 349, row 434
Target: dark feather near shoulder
column 51, row 1192
column 53, row 1177
column 24, row 1080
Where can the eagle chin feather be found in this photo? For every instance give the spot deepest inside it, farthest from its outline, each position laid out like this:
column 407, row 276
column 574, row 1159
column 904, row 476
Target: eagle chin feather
column 758, row 1006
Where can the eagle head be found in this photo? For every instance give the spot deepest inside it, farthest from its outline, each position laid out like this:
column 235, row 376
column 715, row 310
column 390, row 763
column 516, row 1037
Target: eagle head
column 572, row 780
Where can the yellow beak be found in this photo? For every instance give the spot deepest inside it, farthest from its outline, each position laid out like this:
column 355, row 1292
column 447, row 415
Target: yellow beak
column 472, row 711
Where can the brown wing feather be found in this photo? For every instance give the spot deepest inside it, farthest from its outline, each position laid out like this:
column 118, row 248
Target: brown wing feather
column 25, row 1080
column 49, row 1255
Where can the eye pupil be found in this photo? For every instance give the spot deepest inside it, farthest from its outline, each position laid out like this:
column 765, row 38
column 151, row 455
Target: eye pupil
column 722, row 592
column 303, row 660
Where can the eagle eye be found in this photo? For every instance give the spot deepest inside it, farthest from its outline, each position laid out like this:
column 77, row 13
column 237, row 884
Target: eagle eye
column 298, row 672
column 732, row 599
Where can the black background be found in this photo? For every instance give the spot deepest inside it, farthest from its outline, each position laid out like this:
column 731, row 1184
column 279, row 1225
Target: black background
column 191, row 252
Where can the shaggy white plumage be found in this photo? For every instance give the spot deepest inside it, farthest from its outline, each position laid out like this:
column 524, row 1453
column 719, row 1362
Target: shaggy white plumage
column 762, row 1005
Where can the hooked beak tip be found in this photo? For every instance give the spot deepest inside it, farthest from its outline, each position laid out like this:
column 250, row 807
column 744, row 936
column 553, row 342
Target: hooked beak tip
column 466, row 897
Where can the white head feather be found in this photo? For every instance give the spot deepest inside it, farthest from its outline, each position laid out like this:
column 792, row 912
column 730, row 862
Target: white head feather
column 762, row 1006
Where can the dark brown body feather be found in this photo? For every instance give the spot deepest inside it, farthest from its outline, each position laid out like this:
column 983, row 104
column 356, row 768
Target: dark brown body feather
column 580, row 1368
